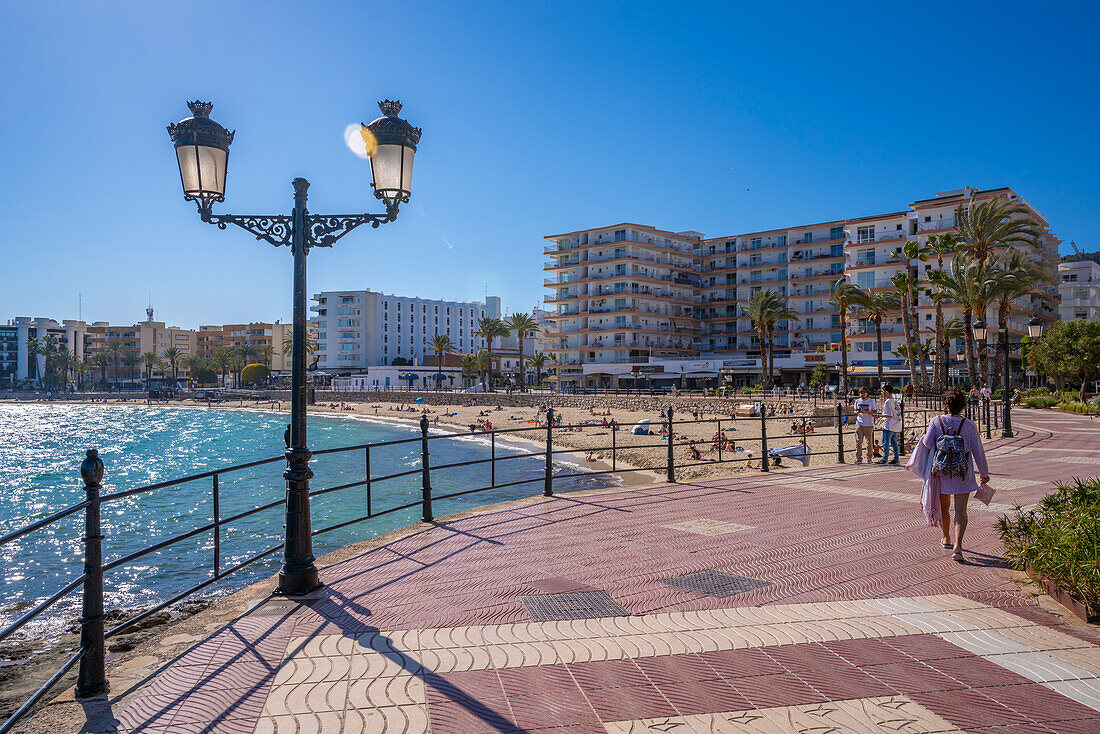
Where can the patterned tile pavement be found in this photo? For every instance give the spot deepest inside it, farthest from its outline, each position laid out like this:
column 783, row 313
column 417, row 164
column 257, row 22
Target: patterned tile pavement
column 865, row 624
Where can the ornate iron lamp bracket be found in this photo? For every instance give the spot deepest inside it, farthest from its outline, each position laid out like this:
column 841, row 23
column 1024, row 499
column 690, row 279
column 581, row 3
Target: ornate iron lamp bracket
column 277, row 230
column 322, row 230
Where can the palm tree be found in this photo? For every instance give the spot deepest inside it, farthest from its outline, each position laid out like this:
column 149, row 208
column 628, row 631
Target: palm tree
column 80, row 366
column 489, row 329
column 288, row 344
column 952, row 331
column 102, row 360
column 874, row 306
column 48, row 347
column 759, row 311
column 966, row 283
column 913, row 251
column 538, row 364
column 244, row 353
column 844, row 296
column 779, row 311
column 173, row 356
column 484, row 361
column 524, row 325
column 115, row 349
column 902, row 282
column 223, row 359
column 194, row 363
column 469, row 367
column 940, row 245
column 984, row 227
column 266, row 351
column 151, row 360
column 924, row 351
column 1014, row 276
column 33, row 349
column 131, row 359
column 442, row 345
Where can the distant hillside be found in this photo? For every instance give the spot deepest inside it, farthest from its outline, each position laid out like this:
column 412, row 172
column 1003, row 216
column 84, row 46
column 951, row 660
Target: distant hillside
column 1094, row 256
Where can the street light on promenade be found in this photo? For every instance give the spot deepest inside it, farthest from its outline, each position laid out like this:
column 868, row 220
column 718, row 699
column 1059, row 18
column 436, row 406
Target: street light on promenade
column 1035, row 331
column 202, row 151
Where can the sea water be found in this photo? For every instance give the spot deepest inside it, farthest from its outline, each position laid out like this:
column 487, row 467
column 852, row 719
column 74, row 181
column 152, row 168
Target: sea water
column 42, row 445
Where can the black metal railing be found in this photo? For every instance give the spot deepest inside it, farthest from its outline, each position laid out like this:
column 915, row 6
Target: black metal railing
column 667, row 434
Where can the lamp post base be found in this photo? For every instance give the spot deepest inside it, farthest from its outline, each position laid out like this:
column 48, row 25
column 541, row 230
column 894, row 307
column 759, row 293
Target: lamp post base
column 298, row 574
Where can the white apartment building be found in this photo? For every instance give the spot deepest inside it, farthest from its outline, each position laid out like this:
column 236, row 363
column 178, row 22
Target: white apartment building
column 357, row 329
column 629, row 293
column 1079, row 287
column 16, row 363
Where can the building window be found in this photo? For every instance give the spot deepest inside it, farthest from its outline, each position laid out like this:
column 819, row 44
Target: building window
column 865, row 234
column 836, row 233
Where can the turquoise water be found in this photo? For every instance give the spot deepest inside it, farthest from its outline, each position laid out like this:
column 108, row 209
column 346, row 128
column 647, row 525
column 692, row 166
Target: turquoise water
column 41, row 447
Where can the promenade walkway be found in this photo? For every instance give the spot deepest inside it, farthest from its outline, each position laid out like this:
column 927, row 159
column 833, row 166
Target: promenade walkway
column 799, row 601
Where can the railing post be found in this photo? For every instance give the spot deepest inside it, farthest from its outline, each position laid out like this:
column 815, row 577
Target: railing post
column 493, row 459
column 367, row 467
column 425, row 471
column 764, row 437
column 670, row 466
column 92, row 679
column 217, row 529
column 901, row 436
column 613, row 432
column 548, row 478
column 719, row 439
column 839, row 434
column 988, row 435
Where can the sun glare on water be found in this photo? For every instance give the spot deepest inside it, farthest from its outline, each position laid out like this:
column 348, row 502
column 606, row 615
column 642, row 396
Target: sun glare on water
column 360, row 140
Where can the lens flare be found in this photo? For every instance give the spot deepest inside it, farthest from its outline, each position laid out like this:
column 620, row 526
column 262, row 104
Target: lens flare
column 360, row 140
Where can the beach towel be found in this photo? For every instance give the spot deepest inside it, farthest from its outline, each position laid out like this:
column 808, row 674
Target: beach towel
column 920, row 464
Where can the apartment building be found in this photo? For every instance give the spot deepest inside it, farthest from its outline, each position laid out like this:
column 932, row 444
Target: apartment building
column 629, row 293
column 1079, row 286
column 137, row 339
column 357, row 329
column 624, row 294
column 258, row 336
column 17, row 366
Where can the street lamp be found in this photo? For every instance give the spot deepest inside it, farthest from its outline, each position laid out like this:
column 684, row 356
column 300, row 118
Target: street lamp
column 202, row 152
column 1035, row 331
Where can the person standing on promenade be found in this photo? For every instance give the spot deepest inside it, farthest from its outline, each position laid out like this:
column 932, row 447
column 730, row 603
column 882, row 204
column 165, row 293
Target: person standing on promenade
column 945, row 458
column 866, row 409
column 891, row 424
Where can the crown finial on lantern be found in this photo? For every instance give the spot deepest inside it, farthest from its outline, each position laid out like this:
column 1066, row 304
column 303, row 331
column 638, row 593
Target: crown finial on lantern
column 200, row 109
column 390, row 107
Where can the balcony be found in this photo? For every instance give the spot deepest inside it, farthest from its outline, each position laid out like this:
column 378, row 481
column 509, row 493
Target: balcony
column 937, row 224
column 816, row 240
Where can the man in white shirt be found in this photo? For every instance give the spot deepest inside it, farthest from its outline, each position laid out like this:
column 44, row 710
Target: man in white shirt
column 866, row 409
column 891, row 424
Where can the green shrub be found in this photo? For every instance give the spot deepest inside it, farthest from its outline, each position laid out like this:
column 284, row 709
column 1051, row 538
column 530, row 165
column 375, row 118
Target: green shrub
column 1060, row 539
column 1041, row 402
column 1076, row 406
column 1033, row 392
column 254, row 373
column 204, row 376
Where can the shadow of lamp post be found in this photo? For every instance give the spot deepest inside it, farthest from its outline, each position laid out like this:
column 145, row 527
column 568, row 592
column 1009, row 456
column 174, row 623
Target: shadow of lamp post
column 202, row 151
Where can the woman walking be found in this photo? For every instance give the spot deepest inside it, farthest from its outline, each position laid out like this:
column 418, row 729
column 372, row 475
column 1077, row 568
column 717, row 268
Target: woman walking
column 944, row 458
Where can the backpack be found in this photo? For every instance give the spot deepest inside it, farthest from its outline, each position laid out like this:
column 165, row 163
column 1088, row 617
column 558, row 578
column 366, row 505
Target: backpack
column 951, row 459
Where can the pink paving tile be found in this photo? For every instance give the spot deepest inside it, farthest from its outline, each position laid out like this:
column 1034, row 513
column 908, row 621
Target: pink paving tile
column 966, row 708
column 1076, row 726
column 912, row 676
column 608, row 674
column 837, row 684
column 211, row 705
column 1029, row 728
column 796, row 658
column 1038, row 702
column 470, row 718
column 704, row 696
column 542, row 678
column 866, row 652
column 636, row 702
column 977, row 672
column 551, row 709
column 476, row 685
column 926, row 647
column 676, row 669
column 784, row 689
column 741, row 663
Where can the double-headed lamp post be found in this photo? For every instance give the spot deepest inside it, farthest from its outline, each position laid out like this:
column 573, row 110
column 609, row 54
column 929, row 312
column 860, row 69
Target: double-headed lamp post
column 202, row 151
column 1034, row 330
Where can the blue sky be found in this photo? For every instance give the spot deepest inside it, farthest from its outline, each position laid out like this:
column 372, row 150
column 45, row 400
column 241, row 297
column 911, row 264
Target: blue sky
column 538, row 118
